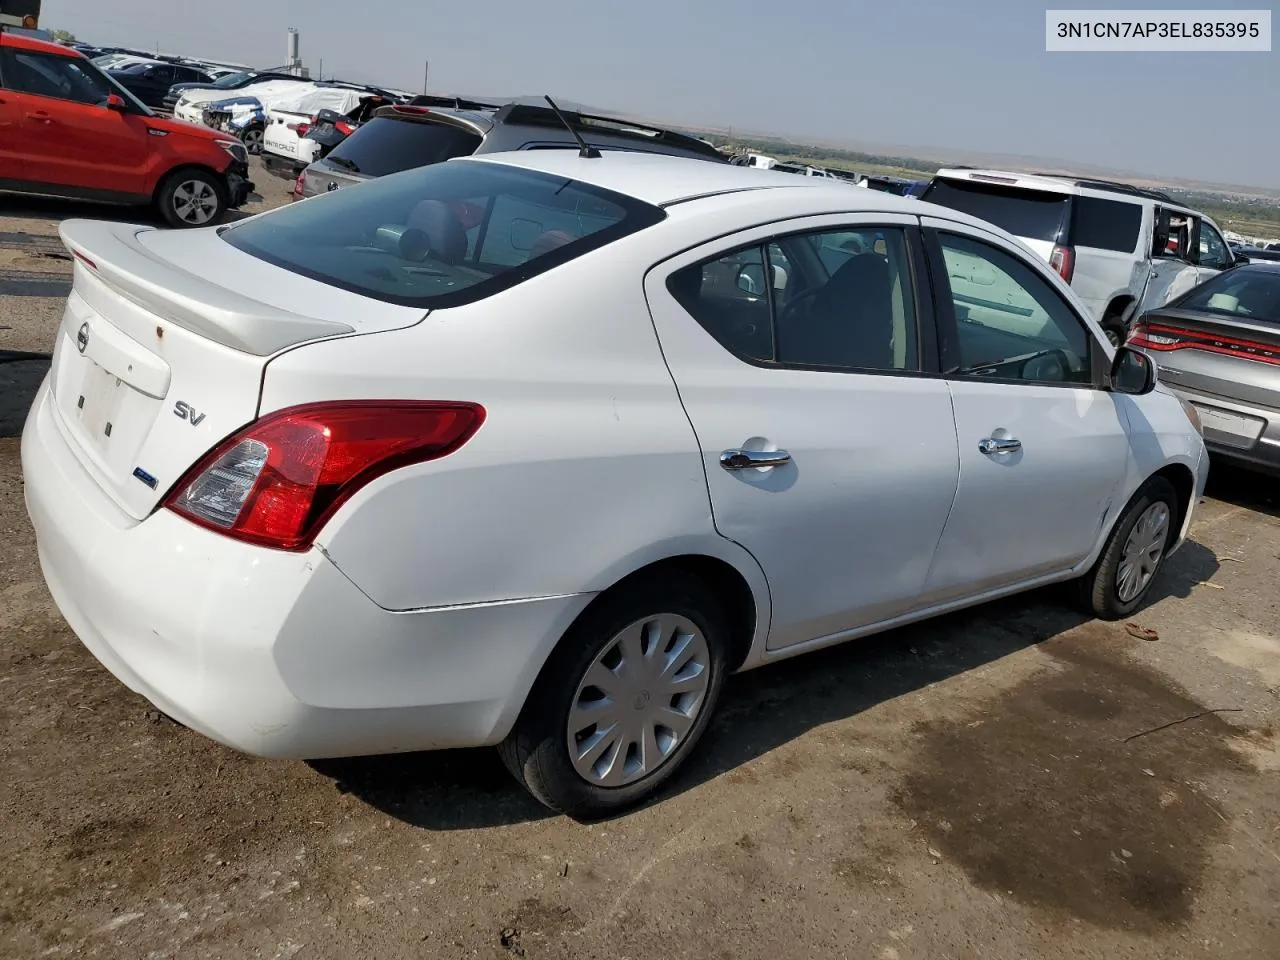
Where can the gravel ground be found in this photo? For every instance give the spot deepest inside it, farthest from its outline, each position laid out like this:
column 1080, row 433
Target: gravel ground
column 1009, row 782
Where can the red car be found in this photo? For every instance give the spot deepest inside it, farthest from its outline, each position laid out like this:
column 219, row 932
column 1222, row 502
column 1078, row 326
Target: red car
column 69, row 130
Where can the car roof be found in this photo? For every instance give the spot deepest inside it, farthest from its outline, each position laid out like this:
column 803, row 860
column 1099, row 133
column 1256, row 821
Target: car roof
column 662, row 180
column 35, row 45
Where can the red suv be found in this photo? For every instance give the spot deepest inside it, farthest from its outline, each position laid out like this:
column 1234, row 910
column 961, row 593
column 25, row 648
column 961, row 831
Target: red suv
column 68, row 130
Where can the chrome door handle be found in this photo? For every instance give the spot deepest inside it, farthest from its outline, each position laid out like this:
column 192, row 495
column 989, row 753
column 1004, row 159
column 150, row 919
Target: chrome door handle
column 742, row 459
column 990, row 445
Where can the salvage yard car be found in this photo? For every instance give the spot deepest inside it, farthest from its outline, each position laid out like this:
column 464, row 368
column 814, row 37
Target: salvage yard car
column 1218, row 346
column 498, row 451
column 404, row 136
column 1123, row 249
column 69, row 130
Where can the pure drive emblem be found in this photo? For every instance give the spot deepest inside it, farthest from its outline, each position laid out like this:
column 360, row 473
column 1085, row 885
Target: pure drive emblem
column 82, row 338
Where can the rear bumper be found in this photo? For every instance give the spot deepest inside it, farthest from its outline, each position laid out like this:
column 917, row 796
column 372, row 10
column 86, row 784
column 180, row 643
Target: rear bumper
column 282, row 167
column 271, row 653
column 1229, row 429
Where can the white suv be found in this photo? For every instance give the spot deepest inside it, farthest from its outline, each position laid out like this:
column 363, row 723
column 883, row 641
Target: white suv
column 1123, row 249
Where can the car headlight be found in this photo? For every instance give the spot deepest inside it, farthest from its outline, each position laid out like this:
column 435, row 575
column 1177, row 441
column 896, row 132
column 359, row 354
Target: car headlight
column 236, row 149
column 1193, row 415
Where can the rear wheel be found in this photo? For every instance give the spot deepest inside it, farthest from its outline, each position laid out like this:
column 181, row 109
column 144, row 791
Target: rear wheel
column 192, row 198
column 1135, row 551
column 624, row 698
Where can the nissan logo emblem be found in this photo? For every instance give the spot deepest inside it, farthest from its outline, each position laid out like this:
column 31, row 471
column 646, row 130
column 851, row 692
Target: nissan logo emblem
column 333, row 185
column 82, row 337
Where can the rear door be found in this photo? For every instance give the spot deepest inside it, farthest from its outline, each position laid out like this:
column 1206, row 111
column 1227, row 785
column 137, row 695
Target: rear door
column 1043, row 450
column 69, row 137
column 826, row 432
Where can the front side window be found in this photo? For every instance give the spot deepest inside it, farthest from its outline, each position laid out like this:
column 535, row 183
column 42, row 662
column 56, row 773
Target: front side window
column 444, row 234
column 47, row 75
column 1010, row 323
column 831, row 299
column 1213, row 249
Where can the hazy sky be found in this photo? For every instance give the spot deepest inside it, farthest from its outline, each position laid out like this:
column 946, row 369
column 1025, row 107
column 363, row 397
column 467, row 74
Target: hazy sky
column 967, row 75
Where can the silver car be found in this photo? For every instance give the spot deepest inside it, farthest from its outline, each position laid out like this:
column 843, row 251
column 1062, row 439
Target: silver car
column 1218, row 346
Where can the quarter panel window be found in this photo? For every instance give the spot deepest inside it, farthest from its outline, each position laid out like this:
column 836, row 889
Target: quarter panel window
column 1010, row 323
column 1106, row 224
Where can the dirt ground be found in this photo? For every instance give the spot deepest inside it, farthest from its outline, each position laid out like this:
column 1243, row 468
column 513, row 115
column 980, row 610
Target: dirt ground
column 1011, row 782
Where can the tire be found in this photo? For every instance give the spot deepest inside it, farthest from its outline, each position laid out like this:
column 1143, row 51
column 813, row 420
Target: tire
column 1103, row 590
column 192, row 198
column 537, row 750
column 252, row 139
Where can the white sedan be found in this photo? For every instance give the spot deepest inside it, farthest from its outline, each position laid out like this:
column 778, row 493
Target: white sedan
column 534, row 450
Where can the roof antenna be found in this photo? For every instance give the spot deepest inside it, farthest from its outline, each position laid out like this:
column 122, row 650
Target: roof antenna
column 586, row 152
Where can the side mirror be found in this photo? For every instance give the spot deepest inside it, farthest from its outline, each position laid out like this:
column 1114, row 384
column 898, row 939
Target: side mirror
column 116, row 102
column 1132, row 372
column 1240, row 258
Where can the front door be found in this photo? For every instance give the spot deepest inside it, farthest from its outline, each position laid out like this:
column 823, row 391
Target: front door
column 1211, row 252
column 70, row 137
column 1173, row 268
column 805, row 362
column 1043, row 449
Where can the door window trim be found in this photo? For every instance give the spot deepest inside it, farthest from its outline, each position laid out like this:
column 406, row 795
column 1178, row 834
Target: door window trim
column 948, row 325
column 926, row 322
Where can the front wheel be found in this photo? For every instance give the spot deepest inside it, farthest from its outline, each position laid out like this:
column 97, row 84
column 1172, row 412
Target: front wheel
column 623, row 699
column 192, row 198
column 252, row 139
column 1135, row 551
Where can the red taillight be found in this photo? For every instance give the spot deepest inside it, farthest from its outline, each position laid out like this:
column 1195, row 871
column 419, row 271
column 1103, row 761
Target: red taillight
column 81, row 257
column 344, row 128
column 303, row 128
column 278, row 480
column 1158, row 336
column 1063, row 261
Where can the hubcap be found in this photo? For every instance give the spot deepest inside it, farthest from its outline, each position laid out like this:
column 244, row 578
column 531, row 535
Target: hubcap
column 639, row 700
column 253, row 140
column 195, row 202
column 1142, row 552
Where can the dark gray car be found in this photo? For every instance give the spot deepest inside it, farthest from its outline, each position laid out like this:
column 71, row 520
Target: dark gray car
column 412, row 135
column 1218, row 346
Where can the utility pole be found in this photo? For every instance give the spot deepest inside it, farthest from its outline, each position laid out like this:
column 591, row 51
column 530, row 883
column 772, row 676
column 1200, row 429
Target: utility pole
column 426, row 70
column 321, row 77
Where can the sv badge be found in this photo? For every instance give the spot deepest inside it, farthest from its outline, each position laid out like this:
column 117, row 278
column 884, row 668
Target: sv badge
column 184, row 411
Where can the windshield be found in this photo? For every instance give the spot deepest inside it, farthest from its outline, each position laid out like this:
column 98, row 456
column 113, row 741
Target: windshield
column 1244, row 293
column 1030, row 214
column 231, row 80
column 441, row 235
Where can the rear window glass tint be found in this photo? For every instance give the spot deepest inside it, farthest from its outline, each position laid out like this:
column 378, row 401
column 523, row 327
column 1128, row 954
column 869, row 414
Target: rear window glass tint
column 1033, row 214
column 1106, row 224
column 385, row 145
column 444, row 234
column 1250, row 294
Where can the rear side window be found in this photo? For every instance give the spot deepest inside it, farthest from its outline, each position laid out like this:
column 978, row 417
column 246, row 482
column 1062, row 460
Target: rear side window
column 444, row 234
column 1106, row 224
column 385, row 145
column 1031, row 214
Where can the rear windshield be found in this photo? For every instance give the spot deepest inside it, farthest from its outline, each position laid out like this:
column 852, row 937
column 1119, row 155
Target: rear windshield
column 1248, row 294
column 385, row 145
column 1031, row 214
column 441, row 235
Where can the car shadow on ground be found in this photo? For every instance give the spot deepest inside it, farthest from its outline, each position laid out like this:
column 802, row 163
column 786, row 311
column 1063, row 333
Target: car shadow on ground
column 761, row 710
column 1253, row 490
column 55, row 211
column 21, row 374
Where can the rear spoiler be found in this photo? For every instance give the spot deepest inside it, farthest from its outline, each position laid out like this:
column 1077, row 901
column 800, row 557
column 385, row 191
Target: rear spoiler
column 113, row 254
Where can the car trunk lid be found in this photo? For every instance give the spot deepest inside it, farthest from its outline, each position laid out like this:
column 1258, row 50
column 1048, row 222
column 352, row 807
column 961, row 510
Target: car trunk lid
column 153, row 363
column 1226, row 357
